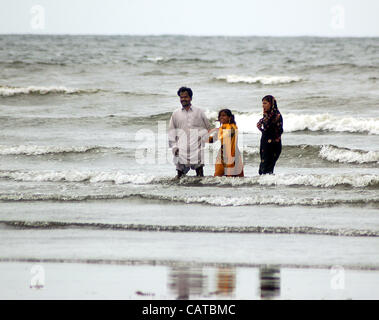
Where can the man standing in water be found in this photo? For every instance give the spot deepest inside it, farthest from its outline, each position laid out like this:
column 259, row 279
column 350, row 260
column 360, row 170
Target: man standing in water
column 188, row 130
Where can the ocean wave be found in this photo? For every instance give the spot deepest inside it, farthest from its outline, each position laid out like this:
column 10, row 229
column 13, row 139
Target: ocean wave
column 329, row 153
column 246, row 121
column 311, row 180
column 327, row 122
column 160, row 60
column 41, row 150
column 265, row 80
column 339, row 66
column 118, row 177
column 7, row 91
column 148, row 119
column 154, row 59
column 311, row 122
column 205, row 200
column 336, row 154
column 190, row 228
column 21, row 63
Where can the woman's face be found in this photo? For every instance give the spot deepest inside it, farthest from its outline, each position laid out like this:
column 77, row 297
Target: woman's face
column 223, row 118
column 266, row 106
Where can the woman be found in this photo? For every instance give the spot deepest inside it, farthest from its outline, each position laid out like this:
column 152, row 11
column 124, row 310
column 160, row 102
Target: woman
column 229, row 160
column 271, row 126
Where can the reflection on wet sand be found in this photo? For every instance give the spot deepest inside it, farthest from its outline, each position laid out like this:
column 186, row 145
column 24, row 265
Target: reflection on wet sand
column 226, row 281
column 186, row 282
column 269, row 279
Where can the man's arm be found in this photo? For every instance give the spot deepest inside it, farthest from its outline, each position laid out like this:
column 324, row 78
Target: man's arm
column 207, row 125
column 172, row 137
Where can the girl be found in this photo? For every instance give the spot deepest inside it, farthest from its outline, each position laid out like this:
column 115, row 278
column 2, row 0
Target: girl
column 229, row 160
column 271, row 126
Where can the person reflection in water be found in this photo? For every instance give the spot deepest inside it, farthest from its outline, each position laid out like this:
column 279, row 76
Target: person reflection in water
column 271, row 126
column 229, row 159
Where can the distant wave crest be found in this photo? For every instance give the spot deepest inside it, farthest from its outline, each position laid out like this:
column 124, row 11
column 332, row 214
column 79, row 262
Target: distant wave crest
column 41, row 150
column 265, row 80
column 7, row 91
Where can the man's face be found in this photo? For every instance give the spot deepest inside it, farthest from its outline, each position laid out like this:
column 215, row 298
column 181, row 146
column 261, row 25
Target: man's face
column 185, row 99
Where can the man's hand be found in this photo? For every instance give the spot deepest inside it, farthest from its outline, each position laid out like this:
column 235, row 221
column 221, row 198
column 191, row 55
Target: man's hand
column 175, row 151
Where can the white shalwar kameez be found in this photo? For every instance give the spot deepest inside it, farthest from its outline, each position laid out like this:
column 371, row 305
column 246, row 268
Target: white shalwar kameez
column 188, row 131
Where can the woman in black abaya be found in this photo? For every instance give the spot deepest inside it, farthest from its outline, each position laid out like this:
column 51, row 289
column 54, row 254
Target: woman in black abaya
column 271, row 126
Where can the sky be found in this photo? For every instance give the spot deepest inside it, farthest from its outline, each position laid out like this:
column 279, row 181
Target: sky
column 330, row 18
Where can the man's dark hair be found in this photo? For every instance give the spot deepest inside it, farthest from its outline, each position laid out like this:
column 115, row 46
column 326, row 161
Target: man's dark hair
column 185, row 89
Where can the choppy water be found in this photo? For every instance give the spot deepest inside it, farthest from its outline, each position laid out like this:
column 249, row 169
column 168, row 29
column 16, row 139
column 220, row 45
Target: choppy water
column 84, row 147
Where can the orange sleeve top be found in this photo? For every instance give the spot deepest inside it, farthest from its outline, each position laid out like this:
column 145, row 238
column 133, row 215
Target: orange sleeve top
column 227, row 134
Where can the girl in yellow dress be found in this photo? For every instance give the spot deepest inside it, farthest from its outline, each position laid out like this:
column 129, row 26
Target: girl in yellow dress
column 229, row 160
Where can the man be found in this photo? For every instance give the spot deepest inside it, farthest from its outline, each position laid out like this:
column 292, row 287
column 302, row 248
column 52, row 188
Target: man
column 188, row 130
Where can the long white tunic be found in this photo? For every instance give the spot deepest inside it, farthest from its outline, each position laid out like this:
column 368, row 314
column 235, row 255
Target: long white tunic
column 187, row 133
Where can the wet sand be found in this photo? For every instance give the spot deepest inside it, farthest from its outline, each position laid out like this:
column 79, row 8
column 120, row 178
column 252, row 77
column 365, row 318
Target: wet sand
column 49, row 280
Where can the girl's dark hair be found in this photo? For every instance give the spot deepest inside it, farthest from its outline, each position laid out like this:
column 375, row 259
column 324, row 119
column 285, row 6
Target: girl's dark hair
column 185, row 89
column 271, row 100
column 228, row 113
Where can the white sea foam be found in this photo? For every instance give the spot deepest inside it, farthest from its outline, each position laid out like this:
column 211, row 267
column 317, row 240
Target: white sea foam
column 313, row 180
column 251, row 150
column 266, row 80
column 335, row 154
column 209, row 200
column 6, row 91
column 328, row 152
column 155, row 59
column 40, row 150
column 119, row 177
column 264, row 200
column 327, row 122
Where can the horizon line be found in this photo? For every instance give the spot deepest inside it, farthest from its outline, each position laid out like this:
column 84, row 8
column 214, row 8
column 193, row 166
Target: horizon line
column 186, row 35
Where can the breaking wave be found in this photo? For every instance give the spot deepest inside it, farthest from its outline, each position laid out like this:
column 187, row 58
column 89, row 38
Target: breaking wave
column 161, row 60
column 6, row 91
column 207, row 200
column 329, row 153
column 356, row 180
column 311, row 122
column 336, row 154
column 41, row 150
